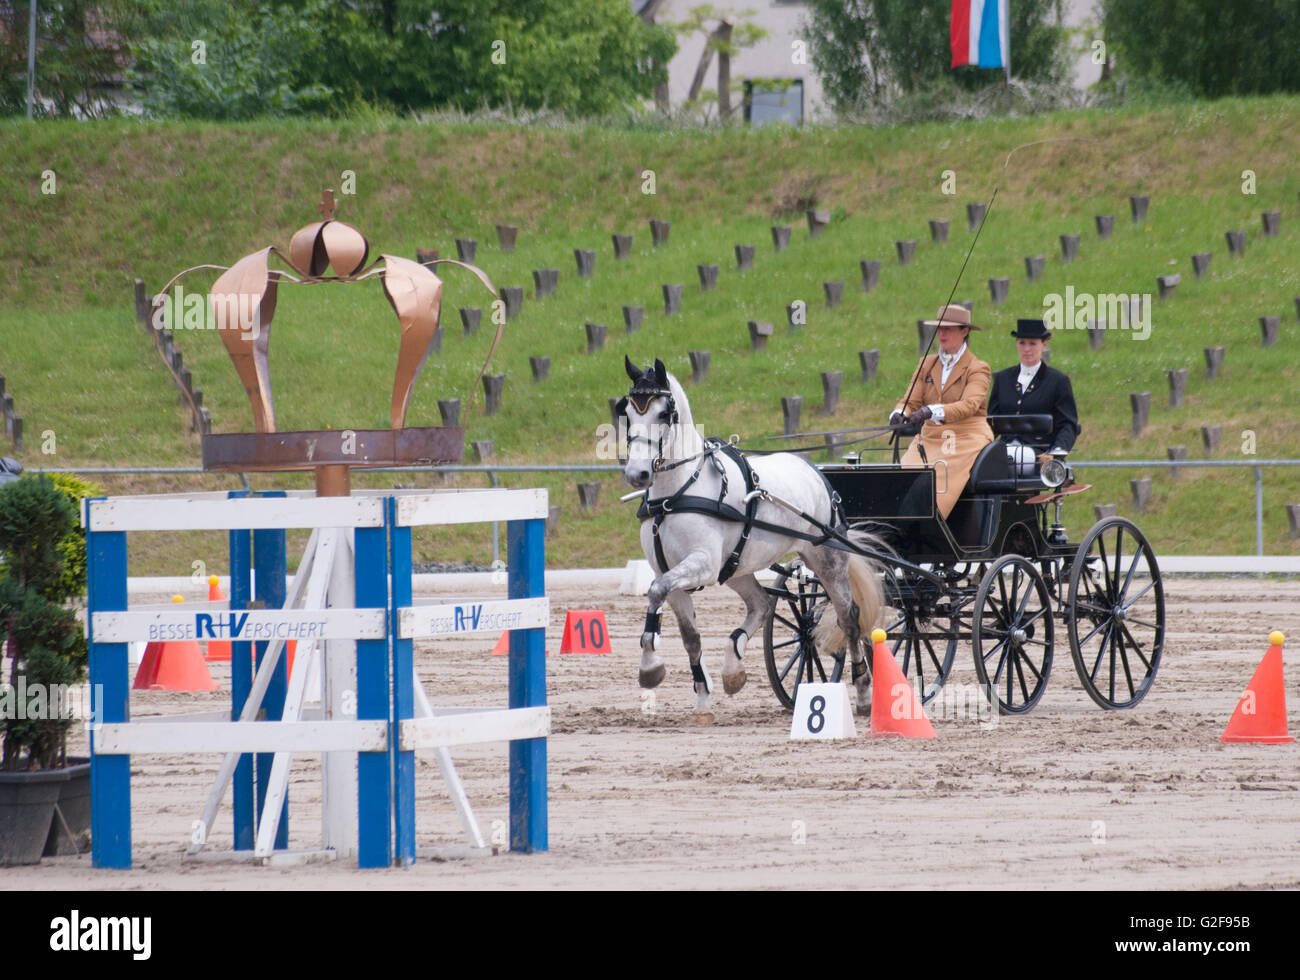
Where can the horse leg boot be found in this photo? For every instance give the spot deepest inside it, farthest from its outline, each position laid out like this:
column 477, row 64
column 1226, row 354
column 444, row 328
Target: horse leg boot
column 684, row 575
column 758, row 606
column 684, row 609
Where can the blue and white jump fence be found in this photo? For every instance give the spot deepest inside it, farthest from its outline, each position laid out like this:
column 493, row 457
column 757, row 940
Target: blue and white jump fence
column 371, row 755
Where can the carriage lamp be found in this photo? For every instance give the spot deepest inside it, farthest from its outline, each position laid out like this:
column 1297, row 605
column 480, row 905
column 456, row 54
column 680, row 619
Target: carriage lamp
column 852, row 458
column 1054, row 472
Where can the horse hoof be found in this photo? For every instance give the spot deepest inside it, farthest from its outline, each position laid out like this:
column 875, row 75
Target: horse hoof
column 652, row 677
column 702, row 718
column 732, row 683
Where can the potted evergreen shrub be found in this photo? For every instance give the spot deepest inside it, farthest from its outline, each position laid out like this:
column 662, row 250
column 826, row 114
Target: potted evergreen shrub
column 43, row 554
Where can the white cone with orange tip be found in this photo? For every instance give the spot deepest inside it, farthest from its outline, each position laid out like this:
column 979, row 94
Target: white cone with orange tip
column 895, row 708
column 1261, row 712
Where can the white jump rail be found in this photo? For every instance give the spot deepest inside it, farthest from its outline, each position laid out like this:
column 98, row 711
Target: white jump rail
column 352, row 593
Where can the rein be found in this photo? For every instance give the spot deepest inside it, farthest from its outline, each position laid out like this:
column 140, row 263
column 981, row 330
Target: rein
column 988, row 208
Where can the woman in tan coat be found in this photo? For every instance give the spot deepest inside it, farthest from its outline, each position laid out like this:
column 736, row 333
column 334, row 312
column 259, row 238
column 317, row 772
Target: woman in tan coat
column 946, row 397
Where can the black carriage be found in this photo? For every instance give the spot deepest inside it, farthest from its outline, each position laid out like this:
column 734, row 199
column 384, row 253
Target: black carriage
column 996, row 573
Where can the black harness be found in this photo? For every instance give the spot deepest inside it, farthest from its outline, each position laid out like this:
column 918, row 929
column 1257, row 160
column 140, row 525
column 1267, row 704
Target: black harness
column 683, row 502
column 646, row 387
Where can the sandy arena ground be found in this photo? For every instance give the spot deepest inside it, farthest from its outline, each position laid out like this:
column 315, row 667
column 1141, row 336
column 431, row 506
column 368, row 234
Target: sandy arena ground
column 1068, row 797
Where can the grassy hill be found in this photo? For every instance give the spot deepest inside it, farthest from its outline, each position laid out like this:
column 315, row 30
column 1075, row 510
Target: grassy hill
column 149, row 200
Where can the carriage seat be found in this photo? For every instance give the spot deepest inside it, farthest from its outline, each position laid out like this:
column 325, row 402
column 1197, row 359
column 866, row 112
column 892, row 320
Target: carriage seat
column 992, row 471
column 1027, row 428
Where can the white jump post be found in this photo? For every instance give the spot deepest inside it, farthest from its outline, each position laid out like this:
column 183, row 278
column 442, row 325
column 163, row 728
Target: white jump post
column 342, row 611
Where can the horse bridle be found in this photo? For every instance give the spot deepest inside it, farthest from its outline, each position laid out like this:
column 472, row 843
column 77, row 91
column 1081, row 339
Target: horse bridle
column 644, row 391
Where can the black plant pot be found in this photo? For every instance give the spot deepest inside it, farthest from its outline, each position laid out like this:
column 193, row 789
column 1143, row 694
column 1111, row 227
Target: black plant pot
column 26, row 809
column 74, row 806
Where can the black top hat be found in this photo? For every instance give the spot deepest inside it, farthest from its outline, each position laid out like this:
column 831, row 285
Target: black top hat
column 1032, row 330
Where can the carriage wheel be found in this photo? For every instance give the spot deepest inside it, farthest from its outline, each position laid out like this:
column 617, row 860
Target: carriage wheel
column 1011, row 633
column 788, row 648
column 924, row 658
column 1116, row 622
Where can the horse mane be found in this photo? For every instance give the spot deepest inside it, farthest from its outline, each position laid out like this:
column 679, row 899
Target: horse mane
column 684, row 413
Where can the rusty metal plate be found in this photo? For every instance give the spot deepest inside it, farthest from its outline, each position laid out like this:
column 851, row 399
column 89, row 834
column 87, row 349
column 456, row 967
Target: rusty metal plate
column 354, row 448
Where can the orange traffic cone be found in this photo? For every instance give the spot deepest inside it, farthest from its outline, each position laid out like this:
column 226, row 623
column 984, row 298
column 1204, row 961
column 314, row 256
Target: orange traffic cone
column 173, row 665
column 503, row 646
column 895, row 708
column 218, row 650
column 1261, row 712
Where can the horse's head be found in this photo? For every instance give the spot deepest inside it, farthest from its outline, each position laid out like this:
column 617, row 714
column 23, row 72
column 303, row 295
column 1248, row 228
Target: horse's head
column 651, row 411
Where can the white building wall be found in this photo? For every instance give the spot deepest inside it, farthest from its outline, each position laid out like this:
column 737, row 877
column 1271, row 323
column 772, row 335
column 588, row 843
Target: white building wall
column 769, row 58
column 773, row 57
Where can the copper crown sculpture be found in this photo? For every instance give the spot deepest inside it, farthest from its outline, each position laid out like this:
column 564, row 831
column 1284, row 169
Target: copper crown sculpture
column 242, row 303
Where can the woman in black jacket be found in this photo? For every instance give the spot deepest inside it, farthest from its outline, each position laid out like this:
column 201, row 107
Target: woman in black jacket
column 1033, row 388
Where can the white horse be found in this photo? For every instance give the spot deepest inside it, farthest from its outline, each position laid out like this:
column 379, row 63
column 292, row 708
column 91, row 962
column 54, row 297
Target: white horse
column 704, row 522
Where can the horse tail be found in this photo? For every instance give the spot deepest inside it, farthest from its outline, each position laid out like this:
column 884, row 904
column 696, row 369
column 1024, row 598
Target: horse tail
column 864, row 580
column 864, row 585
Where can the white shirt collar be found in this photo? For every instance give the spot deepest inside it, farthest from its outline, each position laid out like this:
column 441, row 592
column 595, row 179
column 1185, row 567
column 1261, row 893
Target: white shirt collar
column 948, row 360
column 1027, row 374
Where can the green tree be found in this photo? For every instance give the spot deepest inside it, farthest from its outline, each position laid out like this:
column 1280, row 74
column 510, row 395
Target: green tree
column 81, row 52
column 42, row 636
column 864, row 49
column 1225, row 47
column 587, row 58
column 211, row 59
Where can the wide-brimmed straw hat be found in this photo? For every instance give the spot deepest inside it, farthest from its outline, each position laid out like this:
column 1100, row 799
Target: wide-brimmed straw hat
column 952, row 316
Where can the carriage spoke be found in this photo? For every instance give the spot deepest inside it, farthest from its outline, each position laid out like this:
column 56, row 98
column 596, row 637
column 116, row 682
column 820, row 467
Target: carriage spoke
column 1147, row 588
column 1102, row 610
column 1113, row 635
column 1128, row 676
column 938, row 664
column 1095, row 591
column 1137, row 647
column 786, row 643
column 906, row 643
column 781, row 619
column 1028, row 661
column 1035, row 617
column 790, row 663
column 1101, row 652
column 1128, row 576
column 1020, row 675
column 1002, row 662
column 1024, row 602
column 1119, row 553
column 1084, row 641
column 1141, row 622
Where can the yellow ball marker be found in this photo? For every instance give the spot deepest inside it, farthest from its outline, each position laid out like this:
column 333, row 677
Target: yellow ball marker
column 1276, row 638
column 877, row 636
